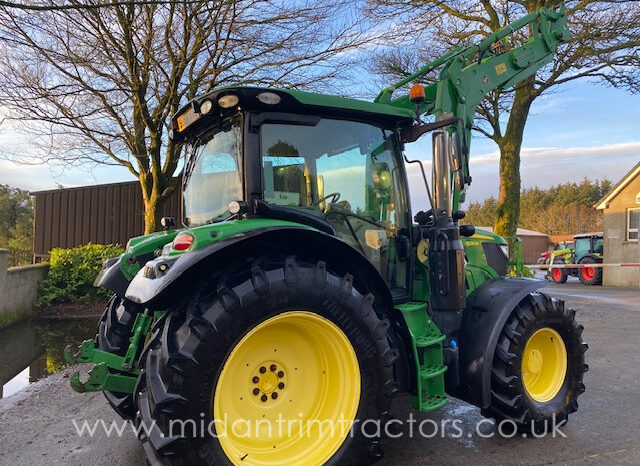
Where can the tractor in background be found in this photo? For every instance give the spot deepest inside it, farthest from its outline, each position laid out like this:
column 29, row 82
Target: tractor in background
column 587, row 248
column 303, row 288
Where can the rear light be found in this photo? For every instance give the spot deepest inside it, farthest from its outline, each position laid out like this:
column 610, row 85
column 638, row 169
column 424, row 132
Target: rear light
column 182, row 242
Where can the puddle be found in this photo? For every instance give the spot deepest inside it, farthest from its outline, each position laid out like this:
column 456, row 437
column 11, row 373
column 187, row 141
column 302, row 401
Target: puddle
column 32, row 349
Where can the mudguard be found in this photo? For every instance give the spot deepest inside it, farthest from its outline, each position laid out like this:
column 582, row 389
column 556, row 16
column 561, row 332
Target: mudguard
column 158, row 282
column 111, row 277
column 488, row 308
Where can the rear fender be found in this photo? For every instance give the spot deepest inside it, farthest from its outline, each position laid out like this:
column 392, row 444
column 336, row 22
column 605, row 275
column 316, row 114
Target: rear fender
column 164, row 279
column 488, row 308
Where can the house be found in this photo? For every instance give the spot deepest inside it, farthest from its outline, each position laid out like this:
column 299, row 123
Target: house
column 621, row 208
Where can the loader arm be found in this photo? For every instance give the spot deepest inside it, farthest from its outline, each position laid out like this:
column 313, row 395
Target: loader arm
column 469, row 72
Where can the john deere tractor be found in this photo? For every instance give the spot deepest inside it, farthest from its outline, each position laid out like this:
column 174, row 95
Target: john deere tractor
column 301, row 295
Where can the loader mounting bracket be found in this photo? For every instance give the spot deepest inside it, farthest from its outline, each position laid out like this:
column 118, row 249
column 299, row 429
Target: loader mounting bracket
column 100, row 377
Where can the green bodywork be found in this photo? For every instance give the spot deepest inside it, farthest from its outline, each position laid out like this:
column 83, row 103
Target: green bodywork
column 467, row 74
column 204, row 236
column 141, row 245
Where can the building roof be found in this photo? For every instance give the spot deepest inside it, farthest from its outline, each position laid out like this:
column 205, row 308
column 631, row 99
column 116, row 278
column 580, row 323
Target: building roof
column 620, row 185
column 519, row 232
column 560, row 238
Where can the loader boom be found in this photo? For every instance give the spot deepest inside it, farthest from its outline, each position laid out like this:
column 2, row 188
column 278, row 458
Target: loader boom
column 469, row 72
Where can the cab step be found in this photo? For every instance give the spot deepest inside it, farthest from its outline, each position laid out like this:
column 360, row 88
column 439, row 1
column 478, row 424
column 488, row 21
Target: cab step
column 426, row 340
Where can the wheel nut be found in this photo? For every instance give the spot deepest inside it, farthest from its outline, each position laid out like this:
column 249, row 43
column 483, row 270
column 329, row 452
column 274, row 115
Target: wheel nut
column 274, row 395
column 255, row 379
column 263, row 370
column 280, row 385
column 256, row 391
column 280, row 374
column 273, row 367
column 263, row 398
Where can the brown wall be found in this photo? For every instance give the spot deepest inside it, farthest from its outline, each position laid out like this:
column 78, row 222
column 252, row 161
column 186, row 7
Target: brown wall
column 104, row 214
column 616, row 247
column 532, row 246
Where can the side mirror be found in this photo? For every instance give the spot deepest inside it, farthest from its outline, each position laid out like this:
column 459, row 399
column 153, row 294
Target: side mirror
column 456, row 152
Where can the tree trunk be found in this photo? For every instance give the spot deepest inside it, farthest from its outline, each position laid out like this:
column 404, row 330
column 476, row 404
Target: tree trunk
column 508, row 209
column 152, row 214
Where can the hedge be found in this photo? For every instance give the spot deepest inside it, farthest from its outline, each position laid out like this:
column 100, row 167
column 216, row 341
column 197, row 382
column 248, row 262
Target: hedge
column 72, row 273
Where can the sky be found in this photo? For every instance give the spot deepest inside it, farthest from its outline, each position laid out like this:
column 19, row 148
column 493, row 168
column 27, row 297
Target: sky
column 582, row 130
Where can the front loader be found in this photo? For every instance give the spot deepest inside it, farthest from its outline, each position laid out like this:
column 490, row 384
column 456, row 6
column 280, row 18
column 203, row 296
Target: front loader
column 301, row 290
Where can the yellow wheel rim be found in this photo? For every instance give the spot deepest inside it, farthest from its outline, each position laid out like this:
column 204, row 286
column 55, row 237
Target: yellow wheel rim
column 288, row 392
column 544, row 364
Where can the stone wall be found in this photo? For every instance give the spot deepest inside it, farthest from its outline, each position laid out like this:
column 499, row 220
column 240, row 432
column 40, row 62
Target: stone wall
column 18, row 289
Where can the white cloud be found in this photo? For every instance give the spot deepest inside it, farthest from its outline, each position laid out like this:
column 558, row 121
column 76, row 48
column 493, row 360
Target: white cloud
column 41, row 177
column 540, row 166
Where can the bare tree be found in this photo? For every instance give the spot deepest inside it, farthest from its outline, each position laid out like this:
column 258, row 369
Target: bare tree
column 605, row 46
column 99, row 85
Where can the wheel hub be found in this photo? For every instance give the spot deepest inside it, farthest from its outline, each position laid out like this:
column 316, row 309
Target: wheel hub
column 544, row 364
column 268, row 381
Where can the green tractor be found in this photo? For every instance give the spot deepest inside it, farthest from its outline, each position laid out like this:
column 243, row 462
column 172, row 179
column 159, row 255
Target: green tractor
column 301, row 295
column 586, row 249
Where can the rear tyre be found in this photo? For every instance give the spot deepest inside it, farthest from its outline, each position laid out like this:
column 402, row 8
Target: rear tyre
column 114, row 331
column 558, row 276
column 538, row 365
column 281, row 337
column 590, row 275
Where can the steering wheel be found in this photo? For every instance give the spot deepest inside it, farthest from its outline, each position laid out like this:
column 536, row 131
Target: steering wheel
column 335, row 198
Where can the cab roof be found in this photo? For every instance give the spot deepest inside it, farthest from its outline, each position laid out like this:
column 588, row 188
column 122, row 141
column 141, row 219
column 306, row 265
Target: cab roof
column 293, row 101
column 588, row 235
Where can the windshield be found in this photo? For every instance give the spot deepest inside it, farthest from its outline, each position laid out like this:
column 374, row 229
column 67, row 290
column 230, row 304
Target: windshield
column 213, row 176
column 347, row 174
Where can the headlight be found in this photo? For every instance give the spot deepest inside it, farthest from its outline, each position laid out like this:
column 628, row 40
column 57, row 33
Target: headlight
column 269, row 98
column 505, row 249
column 206, row 106
column 228, row 101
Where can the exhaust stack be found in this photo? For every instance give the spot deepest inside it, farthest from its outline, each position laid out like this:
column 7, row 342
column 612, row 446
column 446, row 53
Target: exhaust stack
column 446, row 252
column 441, row 174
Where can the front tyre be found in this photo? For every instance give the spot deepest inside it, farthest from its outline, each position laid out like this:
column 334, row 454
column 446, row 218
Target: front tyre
column 558, row 276
column 538, row 365
column 114, row 332
column 281, row 359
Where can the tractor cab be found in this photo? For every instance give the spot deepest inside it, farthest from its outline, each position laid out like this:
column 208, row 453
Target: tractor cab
column 588, row 243
column 301, row 157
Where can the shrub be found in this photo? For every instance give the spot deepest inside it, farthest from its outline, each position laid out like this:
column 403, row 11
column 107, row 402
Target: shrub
column 72, row 273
